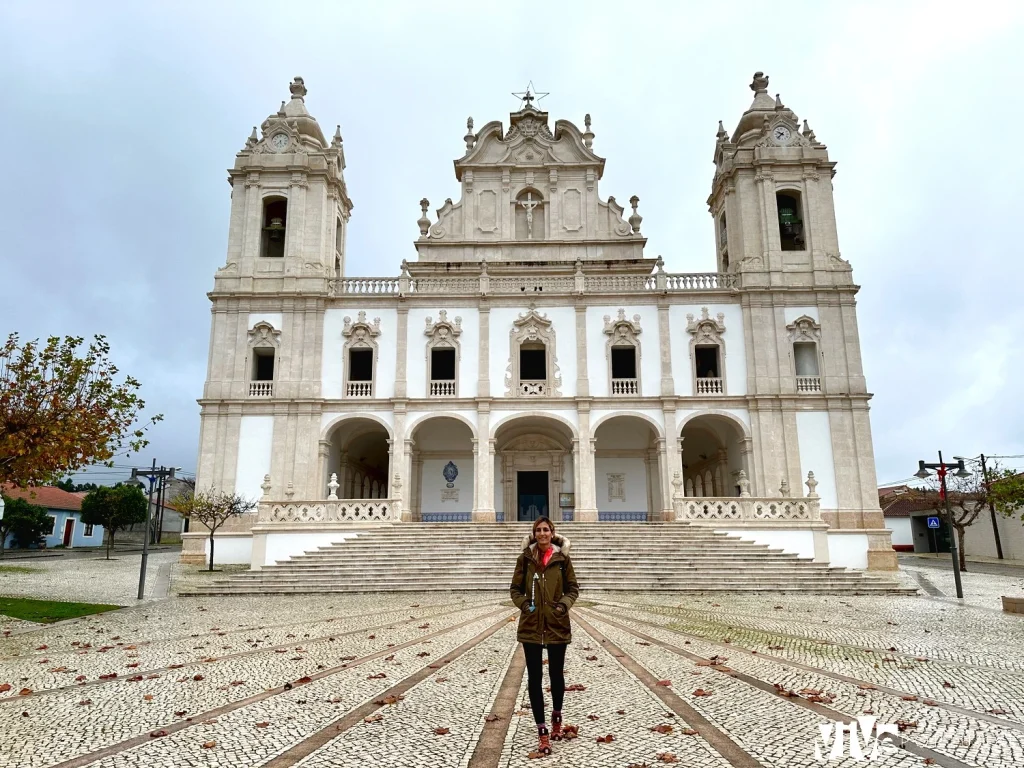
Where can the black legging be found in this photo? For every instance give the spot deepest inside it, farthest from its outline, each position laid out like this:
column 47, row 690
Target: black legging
column 535, row 676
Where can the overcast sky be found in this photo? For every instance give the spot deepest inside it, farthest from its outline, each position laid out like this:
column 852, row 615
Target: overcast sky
column 119, row 120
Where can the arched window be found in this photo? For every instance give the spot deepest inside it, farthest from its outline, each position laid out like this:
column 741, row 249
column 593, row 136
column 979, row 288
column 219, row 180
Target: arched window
column 623, row 353
column 533, row 367
column 529, row 215
column 791, row 220
column 264, row 341
column 275, row 220
column 707, row 351
column 443, row 355
column 805, row 335
column 360, row 355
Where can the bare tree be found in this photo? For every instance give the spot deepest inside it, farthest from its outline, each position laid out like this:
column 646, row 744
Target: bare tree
column 212, row 508
column 968, row 496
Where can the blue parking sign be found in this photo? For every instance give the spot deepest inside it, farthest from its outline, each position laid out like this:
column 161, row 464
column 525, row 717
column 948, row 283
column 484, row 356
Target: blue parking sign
column 933, row 522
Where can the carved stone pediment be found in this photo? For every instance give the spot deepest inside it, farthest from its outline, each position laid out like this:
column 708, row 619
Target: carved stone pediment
column 706, row 330
column 263, row 334
column 533, row 444
column 804, row 328
column 361, row 331
column 443, row 332
column 621, row 328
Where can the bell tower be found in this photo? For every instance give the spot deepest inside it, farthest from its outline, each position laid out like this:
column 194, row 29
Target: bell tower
column 289, row 206
column 771, row 199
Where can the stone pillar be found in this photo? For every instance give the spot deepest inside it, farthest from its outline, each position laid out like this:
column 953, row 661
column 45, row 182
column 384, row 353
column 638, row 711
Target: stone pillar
column 586, row 490
column 323, row 459
column 483, row 458
column 416, row 505
column 582, row 377
column 650, row 462
column 664, row 480
column 483, row 375
column 672, row 460
column 668, row 387
column 402, row 333
column 396, row 464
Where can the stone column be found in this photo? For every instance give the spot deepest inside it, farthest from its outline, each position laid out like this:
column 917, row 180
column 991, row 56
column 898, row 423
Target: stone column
column 650, row 461
column 582, row 377
column 402, row 333
column 323, row 459
column 483, row 457
column 671, row 458
column 668, row 387
column 586, row 493
column 664, row 481
column 483, row 387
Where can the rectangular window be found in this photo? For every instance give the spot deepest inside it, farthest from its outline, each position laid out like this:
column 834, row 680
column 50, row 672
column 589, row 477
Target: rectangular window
column 706, row 359
column 53, row 525
column 442, row 365
column 791, row 225
column 263, row 365
column 533, row 363
column 360, row 365
column 623, row 362
column 805, row 355
column 88, row 530
column 275, row 217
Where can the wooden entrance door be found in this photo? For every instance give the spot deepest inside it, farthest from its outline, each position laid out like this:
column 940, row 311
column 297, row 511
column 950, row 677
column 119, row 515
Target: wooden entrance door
column 533, row 495
column 69, row 530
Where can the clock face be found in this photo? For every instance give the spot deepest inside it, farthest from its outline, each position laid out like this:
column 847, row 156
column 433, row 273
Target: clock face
column 279, row 141
column 781, row 134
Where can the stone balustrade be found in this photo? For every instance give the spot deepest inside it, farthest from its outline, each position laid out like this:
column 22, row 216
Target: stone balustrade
column 710, row 386
column 557, row 284
column 807, row 385
column 328, row 511
column 359, row 389
column 439, row 388
column 747, row 509
column 533, row 388
column 625, row 387
column 261, row 389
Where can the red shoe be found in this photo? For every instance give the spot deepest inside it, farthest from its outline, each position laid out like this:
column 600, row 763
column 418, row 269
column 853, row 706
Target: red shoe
column 543, row 742
column 556, row 725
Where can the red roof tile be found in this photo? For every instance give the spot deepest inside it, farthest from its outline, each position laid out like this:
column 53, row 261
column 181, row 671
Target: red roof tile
column 45, row 496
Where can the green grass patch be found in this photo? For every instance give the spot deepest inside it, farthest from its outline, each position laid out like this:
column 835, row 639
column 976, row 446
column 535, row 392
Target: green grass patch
column 48, row 611
column 17, row 569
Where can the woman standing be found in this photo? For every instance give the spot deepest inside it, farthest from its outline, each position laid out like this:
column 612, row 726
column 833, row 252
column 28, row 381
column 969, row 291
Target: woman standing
column 544, row 588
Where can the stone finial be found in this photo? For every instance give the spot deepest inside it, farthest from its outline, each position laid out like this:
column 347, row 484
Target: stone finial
column 784, row 488
column 588, row 135
column 636, row 218
column 470, row 137
column 266, row 486
column 290, row 490
column 336, row 141
column 424, row 221
column 721, row 135
column 778, row 102
column 281, row 112
column 333, row 487
column 252, row 140
column 743, row 483
column 811, row 484
column 759, row 83
column 677, row 484
column 808, row 133
column 660, row 264
column 298, row 89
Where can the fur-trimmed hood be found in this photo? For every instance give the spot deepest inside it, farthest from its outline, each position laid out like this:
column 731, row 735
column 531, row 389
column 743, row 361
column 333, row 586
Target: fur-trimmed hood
column 558, row 541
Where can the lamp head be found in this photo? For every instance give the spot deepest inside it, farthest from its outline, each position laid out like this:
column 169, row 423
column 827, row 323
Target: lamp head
column 922, row 472
column 961, row 470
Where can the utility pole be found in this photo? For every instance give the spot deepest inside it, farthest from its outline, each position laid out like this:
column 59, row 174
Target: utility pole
column 991, row 509
column 154, row 475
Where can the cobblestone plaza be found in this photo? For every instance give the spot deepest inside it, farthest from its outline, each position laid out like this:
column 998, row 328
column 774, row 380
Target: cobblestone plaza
column 437, row 679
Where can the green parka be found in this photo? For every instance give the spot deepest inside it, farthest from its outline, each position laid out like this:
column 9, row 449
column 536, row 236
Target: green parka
column 543, row 625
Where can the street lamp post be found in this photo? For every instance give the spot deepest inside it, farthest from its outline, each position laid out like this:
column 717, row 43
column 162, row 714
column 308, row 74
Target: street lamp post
column 941, row 469
column 152, row 477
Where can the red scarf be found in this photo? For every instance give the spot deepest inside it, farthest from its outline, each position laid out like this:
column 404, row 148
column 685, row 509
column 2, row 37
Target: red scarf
column 545, row 556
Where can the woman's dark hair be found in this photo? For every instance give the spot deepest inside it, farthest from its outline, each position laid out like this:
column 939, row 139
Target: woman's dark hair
column 537, row 522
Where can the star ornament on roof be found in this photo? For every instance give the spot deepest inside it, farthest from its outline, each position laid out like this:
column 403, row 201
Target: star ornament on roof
column 530, row 95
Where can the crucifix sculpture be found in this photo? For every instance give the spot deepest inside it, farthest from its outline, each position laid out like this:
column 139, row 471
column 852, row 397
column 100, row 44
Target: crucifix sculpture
column 529, row 204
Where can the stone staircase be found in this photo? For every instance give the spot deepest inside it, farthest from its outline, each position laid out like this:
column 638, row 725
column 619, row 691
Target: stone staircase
column 416, row 557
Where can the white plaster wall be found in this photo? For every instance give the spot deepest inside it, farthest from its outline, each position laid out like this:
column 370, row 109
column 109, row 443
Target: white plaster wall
column 792, row 313
column 563, row 320
column 848, row 550
column 255, row 444
column 800, row 542
column 814, row 437
column 901, row 530
column 597, row 348
column 282, row 546
column 434, row 483
column 276, row 319
column 229, row 549
column 566, row 414
column 636, row 484
column 598, row 417
column 469, row 350
column 735, row 349
column 334, row 348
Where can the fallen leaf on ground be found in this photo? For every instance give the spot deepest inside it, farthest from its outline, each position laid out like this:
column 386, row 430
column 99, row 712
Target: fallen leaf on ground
column 620, row 711
column 665, row 682
column 373, row 718
column 605, row 739
column 440, row 731
column 663, row 728
column 148, row 697
column 6, row 687
column 209, row 744
column 378, row 676
column 667, row 757
column 262, row 725
column 24, row 691
column 688, row 732
column 491, row 718
column 157, row 734
column 702, row 692
column 576, row 687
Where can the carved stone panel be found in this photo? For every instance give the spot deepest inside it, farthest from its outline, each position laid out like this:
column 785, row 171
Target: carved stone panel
column 487, row 210
column 616, row 486
column 572, row 210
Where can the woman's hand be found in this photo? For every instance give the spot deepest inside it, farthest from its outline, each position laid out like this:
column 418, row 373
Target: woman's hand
column 560, row 609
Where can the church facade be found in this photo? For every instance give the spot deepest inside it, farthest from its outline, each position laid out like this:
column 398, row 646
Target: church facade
column 532, row 359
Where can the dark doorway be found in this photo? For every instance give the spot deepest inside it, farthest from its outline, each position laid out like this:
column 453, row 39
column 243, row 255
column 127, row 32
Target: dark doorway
column 532, row 490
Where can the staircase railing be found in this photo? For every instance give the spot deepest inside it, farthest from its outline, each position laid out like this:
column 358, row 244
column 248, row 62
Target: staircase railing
column 329, row 511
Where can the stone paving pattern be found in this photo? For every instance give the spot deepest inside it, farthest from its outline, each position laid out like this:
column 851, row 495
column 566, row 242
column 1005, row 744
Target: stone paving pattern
column 963, row 663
